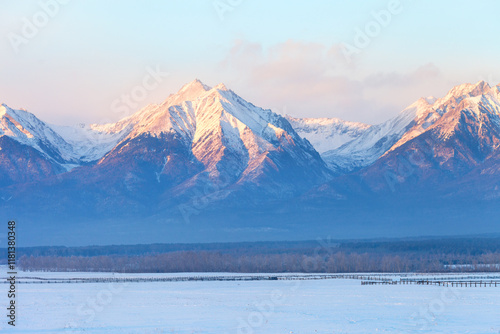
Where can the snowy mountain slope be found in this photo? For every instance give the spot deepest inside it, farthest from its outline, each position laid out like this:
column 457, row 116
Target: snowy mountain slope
column 28, row 130
column 326, row 134
column 410, row 123
column 427, row 116
column 90, row 142
column 203, row 136
column 464, row 139
column 456, row 155
column 374, row 142
column 66, row 146
column 29, row 149
column 231, row 139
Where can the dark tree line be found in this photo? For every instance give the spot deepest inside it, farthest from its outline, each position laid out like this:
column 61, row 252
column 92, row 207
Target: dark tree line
column 471, row 246
column 409, row 255
column 212, row 261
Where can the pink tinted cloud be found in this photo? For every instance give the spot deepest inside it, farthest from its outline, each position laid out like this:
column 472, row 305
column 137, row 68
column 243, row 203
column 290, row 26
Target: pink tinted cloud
column 292, row 73
column 313, row 80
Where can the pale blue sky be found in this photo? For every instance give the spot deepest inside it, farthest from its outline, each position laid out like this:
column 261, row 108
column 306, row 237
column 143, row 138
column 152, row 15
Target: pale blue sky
column 283, row 55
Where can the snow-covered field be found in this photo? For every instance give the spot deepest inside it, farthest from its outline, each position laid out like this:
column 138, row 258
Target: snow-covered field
column 310, row 306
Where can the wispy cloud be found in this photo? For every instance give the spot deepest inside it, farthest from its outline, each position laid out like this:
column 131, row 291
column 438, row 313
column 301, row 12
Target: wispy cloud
column 312, row 79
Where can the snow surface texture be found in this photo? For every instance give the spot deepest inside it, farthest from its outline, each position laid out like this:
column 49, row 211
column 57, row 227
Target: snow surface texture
column 299, row 307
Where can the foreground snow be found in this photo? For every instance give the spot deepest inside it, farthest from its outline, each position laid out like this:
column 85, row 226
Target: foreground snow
column 312, row 306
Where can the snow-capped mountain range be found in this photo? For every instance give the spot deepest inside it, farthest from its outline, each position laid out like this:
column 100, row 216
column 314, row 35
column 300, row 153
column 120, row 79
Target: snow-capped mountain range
column 207, row 155
column 194, row 114
column 198, row 135
column 413, row 121
column 208, row 145
column 197, row 111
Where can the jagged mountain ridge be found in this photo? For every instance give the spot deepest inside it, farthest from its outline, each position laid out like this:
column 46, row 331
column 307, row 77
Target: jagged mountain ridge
column 200, row 137
column 380, row 139
column 355, row 145
column 25, row 128
column 452, row 143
